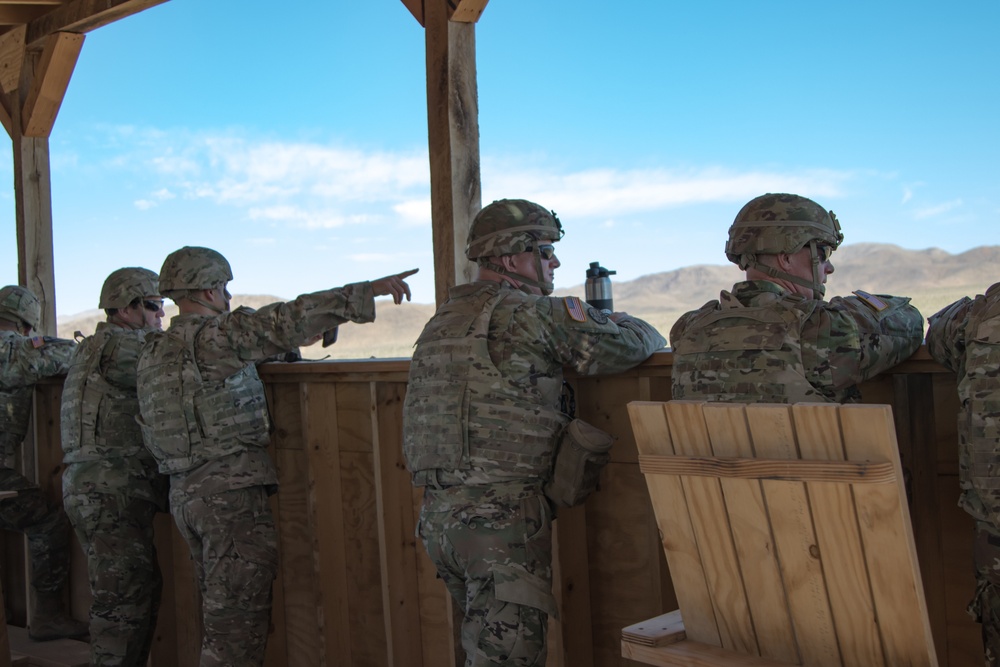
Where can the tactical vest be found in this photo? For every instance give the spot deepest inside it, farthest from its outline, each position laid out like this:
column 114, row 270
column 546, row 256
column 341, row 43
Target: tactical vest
column 460, row 411
column 979, row 420
column 97, row 417
column 186, row 420
column 15, row 418
column 743, row 354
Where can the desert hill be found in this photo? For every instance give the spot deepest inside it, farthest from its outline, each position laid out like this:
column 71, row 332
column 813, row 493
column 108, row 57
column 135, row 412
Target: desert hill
column 932, row 278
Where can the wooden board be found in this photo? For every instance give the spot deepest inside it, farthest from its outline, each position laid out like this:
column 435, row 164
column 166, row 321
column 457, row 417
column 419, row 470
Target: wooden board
column 807, row 562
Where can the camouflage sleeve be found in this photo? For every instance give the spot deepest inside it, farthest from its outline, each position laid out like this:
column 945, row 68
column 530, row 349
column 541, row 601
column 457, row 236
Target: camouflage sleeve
column 946, row 333
column 31, row 359
column 120, row 356
column 849, row 340
column 280, row 327
column 590, row 342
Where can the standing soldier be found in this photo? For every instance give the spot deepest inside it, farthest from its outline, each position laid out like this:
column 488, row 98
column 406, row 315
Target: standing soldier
column 965, row 337
column 773, row 339
column 204, row 418
column 111, row 488
column 23, row 362
column 482, row 422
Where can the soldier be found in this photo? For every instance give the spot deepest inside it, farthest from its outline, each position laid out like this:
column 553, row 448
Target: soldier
column 772, row 338
column 965, row 337
column 23, row 362
column 204, row 418
column 482, row 420
column 111, row 488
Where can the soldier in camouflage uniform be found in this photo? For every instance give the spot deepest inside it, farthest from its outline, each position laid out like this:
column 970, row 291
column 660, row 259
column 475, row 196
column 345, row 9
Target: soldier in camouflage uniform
column 111, row 487
column 23, row 362
column 772, row 338
column 482, row 419
column 965, row 337
column 204, row 418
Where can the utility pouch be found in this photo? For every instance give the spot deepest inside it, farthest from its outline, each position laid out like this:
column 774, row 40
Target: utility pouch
column 582, row 452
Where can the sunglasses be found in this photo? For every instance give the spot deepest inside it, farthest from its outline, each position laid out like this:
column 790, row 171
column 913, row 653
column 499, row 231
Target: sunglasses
column 824, row 252
column 153, row 306
column 547, row 251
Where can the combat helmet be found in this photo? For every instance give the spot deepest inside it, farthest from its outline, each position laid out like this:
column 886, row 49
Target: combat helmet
column 194, row 268
column 782, row 223
column 126, row 285
column 19, row 305
column 508, row 227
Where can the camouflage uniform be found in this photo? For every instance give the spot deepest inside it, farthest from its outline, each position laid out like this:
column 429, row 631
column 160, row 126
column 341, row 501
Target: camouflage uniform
column 764, row 341
column 760, row 344
column 23, row 362
column 204, row 418
column 965, row 337
column 480, row 425
column 111, row 492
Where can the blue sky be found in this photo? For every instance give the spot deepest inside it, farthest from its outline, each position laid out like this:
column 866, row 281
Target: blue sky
column 295, row 142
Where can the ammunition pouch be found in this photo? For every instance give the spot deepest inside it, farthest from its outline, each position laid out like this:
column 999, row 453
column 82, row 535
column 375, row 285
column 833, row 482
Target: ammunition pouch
column 582, row 452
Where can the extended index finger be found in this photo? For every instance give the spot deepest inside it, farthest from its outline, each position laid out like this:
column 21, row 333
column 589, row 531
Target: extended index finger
column 406, row 274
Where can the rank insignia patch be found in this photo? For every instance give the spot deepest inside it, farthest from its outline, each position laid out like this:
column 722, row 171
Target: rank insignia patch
column 575, row 308
column 872, row 300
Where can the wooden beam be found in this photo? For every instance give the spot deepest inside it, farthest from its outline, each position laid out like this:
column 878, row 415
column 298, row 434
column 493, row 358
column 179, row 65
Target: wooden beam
column 18, row 15
column 83, row 16
column 416, row 8
column 453, row 135
column 5, row 118
column 50, row 82
column 468, row 11
column 11, row 58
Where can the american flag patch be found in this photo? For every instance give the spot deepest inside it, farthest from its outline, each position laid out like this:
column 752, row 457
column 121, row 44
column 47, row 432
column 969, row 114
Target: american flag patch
column 872, row 300
column 575, row 308
column 37, row 342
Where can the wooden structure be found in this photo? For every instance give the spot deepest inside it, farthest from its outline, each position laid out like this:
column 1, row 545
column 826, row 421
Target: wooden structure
column 787, row 535
column 355, row 587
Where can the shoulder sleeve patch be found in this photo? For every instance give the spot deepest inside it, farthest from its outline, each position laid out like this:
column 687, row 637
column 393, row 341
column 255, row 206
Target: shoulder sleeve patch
column 872, row 300
column 37, row 342
column 575, row 308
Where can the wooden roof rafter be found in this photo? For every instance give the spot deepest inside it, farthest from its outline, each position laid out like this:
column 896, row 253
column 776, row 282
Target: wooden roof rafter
column 460, row 11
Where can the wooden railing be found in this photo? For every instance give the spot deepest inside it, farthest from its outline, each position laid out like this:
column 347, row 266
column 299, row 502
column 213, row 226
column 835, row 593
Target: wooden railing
column 356, row 588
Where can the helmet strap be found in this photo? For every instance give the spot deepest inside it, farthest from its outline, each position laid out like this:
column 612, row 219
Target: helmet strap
column 815, row 284
column 545, row 287
column 211, row 306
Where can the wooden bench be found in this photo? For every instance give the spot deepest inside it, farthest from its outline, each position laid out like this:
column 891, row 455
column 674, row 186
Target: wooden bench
column 787, row 534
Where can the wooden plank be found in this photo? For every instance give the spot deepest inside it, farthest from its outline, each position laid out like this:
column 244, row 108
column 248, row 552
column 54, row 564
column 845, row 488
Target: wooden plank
column 690, row 653
column 888, row 540
column 839, row 541
column 468, row 11
column 48, row 87
column 795, row 539
column 12, row 49
column 5, row 118
column 439, row 646
column 748, row 468
column 453, row 138
column 326, row 507
column 652, row 436
column 712, row 531
column 416, row 8
column 576, row 637
column 83, row 16
column 164, row 650
column 761, row 572
column 659, row 631
column 55, row 653
column 17, row 15
column 397, row 544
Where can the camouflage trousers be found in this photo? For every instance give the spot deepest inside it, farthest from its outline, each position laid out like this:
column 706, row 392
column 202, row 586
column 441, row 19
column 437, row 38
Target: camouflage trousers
column 45, row 526
column 234, row 546
column 492, row 546
column 985, row 605
column 116, row 534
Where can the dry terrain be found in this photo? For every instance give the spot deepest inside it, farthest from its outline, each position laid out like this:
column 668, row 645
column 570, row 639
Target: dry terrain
column 932, row 278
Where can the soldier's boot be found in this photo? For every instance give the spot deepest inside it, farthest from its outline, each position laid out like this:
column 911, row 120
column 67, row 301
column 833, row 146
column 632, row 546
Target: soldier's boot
column 50, row 620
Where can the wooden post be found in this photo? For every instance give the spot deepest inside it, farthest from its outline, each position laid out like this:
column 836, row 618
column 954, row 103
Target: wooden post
column 453, row 135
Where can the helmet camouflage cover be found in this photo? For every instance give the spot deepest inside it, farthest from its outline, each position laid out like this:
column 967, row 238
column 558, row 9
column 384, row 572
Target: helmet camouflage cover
column 126, row 285
column 18, row 304
column 780, row 223
column 194, row 268
column 510, row 226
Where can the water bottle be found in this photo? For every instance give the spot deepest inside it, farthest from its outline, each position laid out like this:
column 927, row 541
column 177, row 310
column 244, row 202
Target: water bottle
column 598, row 287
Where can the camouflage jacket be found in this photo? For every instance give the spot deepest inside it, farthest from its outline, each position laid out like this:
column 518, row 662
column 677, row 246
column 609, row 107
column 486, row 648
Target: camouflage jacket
column 101, row 440
column 482, row 401
column 23, row 362
column 226, row 347
column 762, row 344
column 965, row 337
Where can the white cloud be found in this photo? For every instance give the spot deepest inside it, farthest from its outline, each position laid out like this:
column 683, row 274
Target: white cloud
column 932, row 211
